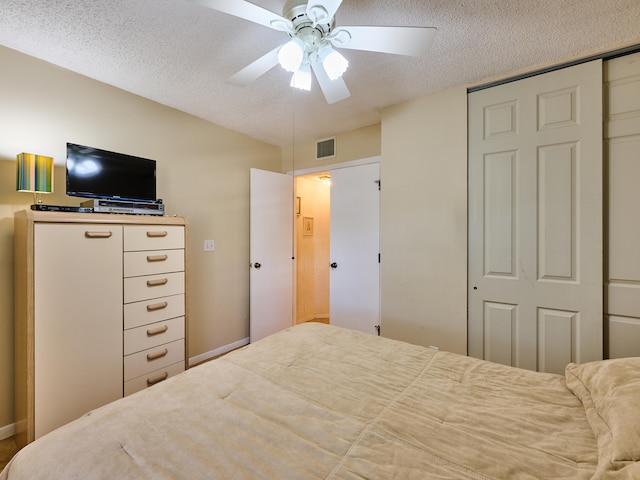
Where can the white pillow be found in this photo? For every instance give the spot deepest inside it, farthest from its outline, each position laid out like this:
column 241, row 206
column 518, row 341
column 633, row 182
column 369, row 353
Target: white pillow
column 610, row 393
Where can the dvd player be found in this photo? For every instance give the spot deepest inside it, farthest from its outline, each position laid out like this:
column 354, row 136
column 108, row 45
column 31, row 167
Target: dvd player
column 60, row 208
column 103, row 205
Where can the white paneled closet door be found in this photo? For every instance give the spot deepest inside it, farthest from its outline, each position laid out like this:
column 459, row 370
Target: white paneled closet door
column 622, row 133
column 535, row 220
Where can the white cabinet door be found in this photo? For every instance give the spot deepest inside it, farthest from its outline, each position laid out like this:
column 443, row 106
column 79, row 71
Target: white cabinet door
column 78, row 321
column 535, row 220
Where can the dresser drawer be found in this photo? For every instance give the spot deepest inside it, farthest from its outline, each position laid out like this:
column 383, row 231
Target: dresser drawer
column 153, row 262
column 149, row 336
column 153, row 237
column 153, row 286
column 146, row 361
column 152, row 378
column 150, row 311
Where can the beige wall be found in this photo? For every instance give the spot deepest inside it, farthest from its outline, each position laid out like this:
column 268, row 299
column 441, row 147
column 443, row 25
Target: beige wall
column 423, row 221
column 203, row 175
column 423, row 214
column 353, row 145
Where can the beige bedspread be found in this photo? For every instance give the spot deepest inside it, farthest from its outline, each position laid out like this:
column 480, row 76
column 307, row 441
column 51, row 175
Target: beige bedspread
column 317, row 401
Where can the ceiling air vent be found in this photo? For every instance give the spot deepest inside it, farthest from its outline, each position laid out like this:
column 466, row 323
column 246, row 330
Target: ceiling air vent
column 326, row 148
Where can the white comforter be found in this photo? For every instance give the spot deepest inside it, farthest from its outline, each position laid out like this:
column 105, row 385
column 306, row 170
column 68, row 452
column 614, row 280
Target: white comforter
column 316, row 401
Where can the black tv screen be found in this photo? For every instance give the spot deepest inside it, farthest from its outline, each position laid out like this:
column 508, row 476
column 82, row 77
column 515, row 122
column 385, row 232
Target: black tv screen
column 96, row 173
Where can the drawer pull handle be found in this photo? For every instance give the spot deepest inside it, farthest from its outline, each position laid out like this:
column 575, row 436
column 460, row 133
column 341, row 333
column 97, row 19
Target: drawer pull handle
column 156, row 355
column 156, row 258
column 157, row 379
column 157, row 331
column 156, row 234
column 158, row 282
column 89, row 234
column 157, row 306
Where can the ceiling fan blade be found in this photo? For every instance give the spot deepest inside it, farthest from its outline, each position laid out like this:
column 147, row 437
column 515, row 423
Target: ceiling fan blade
column 414, row 41
column 322, row 11
column 248, row 11
column 333, row 90
column 256, row 69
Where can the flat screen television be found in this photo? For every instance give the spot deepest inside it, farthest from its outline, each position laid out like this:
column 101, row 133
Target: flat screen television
column 96, row 173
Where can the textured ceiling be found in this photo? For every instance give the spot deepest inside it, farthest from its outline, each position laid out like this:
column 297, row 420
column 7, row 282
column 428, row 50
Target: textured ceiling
column 180, row 54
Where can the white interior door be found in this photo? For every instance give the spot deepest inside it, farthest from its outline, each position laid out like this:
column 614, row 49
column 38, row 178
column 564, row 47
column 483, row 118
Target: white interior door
column 271, row 251
column 535, row 220
column 355, row 247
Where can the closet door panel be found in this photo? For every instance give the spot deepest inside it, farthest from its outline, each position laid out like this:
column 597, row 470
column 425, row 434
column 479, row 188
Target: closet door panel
column 535, row 220
column 622, row 269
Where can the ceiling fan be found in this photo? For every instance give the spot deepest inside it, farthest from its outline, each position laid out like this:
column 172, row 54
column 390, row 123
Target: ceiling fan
column 313, row 34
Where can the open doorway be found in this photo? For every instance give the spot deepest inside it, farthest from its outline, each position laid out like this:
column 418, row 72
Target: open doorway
column 312, row 247
column 337, row 247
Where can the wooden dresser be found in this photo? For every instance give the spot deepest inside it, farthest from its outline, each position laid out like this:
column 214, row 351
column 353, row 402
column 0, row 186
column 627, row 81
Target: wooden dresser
column 100, row 312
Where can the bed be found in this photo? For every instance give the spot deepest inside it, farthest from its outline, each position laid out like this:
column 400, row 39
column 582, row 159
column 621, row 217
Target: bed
column 316, row 401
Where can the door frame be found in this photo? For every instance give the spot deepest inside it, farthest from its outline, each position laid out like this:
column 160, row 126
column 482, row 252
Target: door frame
column 334, row 166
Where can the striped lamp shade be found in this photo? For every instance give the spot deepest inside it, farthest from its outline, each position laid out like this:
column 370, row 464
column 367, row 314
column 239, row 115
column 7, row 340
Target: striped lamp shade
column 34, row 173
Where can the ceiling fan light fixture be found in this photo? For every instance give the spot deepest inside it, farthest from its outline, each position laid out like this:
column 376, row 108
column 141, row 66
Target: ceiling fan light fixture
column 291, row 54
column 312, row 32
column 339, row 37
column 333, row 62
column 301, row 78
column 318, row 14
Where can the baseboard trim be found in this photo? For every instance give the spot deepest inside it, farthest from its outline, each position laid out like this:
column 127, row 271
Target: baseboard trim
column 7, row 431
column 218, row 351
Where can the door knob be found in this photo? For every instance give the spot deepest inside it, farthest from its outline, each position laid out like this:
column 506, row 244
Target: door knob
column 334, row 265
column 257, row 265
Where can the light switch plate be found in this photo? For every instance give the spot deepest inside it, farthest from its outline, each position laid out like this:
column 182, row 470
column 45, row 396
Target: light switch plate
column 208, row 245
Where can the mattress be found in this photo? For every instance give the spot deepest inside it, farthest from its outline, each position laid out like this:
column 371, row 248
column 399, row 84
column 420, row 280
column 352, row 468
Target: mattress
column 316, row 401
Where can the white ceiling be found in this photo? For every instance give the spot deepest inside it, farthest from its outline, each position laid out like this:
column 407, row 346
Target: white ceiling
column 179, row 54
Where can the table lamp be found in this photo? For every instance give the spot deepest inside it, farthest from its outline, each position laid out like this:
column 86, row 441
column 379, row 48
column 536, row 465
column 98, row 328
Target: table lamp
column 34, row 173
